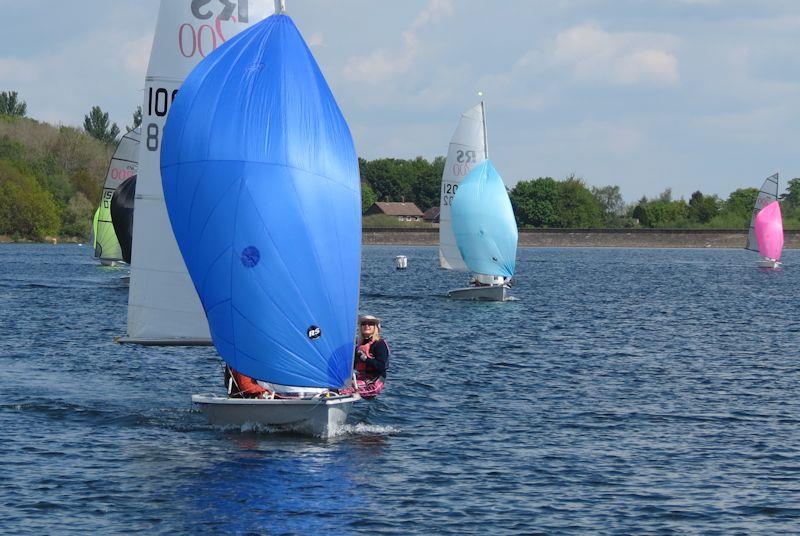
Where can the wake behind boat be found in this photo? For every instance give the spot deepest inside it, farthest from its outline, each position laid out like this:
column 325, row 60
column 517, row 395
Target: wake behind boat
column 261, row 184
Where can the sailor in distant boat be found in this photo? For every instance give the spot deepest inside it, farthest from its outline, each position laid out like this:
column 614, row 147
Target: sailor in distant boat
column 371, row 357
column 241, row 386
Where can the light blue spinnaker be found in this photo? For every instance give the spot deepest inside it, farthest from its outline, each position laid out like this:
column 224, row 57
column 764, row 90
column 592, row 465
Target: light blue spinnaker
column 262, row 188
column 483, row 222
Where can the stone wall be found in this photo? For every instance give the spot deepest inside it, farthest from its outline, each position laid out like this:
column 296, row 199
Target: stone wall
column 637, row 238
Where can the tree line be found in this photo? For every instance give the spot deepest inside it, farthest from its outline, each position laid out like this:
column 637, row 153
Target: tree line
column 545, row 202
column 51, row 180
column 51, row 177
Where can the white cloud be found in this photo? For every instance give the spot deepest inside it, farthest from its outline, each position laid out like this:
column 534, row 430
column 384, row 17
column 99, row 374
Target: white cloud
column 135, row 54
column 434, row 12
column 17, row 71
column 594, row 55
column 315, row 40
column 381, row 66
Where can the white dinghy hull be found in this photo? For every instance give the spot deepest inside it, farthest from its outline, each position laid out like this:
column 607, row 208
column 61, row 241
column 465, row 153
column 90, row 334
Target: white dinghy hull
column 769, row 263
column 316, row 416
column 481, row 293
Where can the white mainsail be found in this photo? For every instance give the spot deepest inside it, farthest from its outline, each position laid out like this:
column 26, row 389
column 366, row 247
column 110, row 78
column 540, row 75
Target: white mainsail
column 163, row 307
column 468, row 148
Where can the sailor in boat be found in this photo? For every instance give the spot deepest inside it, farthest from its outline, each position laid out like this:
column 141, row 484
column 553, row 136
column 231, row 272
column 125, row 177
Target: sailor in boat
column 371, row 358
column 483, row 280
column 241, row 386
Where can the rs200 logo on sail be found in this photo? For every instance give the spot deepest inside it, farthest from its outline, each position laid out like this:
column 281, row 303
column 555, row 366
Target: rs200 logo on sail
column 224, row 9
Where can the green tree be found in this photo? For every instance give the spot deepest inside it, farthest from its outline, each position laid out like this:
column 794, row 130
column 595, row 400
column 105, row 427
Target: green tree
column 577, row 207
column 535, row 202
column 86, row 184
column 741, row 202
column 392, row 179
column 25, row 207
column 11, row 105
column 792, row 196
column 137, row 119
column 386, row 178
column 661, row 212
column 368, row 197
column 426, row 182
column 96, row 124
column 77, row 217
column 702, row 209
column 611, row 201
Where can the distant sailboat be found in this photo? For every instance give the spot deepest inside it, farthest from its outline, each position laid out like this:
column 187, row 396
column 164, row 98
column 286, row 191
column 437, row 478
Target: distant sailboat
column 766, row 225
column 468, row 148
column 163, row 307
column 262, row 188
column 124, row 164
column 477, row 230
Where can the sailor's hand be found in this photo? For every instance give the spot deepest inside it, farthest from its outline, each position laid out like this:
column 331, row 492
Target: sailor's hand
column 362, row 356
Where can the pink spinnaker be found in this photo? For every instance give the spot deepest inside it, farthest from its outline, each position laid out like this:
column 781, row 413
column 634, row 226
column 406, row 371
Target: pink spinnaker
column 769, row 231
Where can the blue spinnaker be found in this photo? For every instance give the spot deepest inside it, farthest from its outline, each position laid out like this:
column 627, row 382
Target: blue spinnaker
column 483, row 222
column 262, row 187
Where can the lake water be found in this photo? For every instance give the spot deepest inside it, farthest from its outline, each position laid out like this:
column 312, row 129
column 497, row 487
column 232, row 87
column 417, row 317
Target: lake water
column 627, row 391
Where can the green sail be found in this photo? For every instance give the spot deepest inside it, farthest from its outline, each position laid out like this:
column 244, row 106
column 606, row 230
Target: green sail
column 124, row 164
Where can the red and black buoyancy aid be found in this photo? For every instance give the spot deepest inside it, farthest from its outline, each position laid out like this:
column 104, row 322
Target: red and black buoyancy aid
column 361, row 366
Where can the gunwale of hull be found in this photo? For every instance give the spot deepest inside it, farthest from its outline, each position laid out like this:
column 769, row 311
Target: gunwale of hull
column 481, row 293
column 316, row 416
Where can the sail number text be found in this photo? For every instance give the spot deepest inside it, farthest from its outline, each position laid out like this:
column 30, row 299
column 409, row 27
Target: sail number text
column 448, row 191
column 200, row 40
column 107, row 195
column 158, row 102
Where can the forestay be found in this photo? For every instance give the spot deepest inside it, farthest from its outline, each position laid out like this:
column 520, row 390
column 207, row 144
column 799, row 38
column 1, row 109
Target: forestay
column 123, row 165
column 163, row 307
column 766, row 195
column 262, row 187
column 484, row 224
column 467, row 149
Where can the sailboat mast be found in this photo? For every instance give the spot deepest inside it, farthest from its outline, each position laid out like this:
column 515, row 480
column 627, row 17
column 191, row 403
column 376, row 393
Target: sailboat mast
column 280, row 7
column 485, row 137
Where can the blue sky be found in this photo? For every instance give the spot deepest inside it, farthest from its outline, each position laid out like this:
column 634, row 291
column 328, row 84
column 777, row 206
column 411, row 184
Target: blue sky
column 644, row 94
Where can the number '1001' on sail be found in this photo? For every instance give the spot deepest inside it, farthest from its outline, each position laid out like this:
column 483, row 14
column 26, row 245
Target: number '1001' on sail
column 261, row 183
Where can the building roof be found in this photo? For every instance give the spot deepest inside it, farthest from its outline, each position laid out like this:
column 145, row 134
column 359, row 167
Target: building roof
column 396, row 209
column 432, row 214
